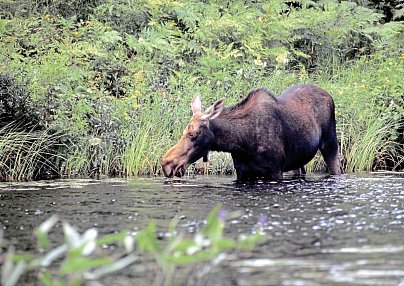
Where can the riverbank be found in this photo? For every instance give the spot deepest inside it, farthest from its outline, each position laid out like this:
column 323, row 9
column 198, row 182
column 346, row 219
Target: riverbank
column 104, row 89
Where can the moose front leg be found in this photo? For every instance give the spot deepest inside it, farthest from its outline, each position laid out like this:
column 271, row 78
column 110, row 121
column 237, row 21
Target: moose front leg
column 248, row 169
column 243, row 168
column 276, row 175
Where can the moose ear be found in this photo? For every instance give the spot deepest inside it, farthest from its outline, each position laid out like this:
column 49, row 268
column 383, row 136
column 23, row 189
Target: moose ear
column 196, row 104
column 213, row 111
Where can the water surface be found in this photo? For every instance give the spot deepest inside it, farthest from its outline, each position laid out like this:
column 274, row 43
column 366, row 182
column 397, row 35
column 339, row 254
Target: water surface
column 321, row 231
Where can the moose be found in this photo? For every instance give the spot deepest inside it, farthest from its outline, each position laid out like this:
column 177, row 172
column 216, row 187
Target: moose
column 265, row 135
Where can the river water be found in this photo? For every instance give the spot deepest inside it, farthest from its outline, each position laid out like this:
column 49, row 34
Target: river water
column 320, row 230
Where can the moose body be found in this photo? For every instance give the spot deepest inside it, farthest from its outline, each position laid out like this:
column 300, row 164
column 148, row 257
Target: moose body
column 266, row 135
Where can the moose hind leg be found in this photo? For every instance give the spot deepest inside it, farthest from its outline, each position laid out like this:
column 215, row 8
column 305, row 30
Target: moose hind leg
column 297, row 173
column 329, row 150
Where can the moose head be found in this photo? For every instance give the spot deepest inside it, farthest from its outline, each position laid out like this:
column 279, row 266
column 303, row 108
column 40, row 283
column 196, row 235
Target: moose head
column 195, row 141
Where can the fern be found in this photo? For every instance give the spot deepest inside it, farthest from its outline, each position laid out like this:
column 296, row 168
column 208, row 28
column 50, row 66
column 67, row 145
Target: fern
column 306, row 3
column 386, row 31
column 399, row 13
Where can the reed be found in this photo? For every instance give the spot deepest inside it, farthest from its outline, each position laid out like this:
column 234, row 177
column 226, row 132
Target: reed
column 136, row 158
column 92, row 157
column 159, row 126
column 220, row 163
column 27, row 155
column 79, row 160
column 365, row 145
column 369, row 144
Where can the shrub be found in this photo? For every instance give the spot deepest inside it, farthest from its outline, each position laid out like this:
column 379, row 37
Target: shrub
column 14, row 106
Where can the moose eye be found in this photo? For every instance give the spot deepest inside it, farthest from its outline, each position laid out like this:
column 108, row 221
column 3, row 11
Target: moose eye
column 192, row 135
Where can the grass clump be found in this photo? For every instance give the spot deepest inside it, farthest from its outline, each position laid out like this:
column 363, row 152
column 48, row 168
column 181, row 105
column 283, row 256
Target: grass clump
column 27, row 155
column 370, row 145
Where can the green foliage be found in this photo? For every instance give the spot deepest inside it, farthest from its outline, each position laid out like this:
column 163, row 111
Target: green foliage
column 393, row 10
column 14, row 108
column 116, row 77
column 80, row 259
column 24, row 8
column 370, row 114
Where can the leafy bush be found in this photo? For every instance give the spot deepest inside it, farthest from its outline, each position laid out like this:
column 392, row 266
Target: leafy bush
column 27, row 8
column 393, row 10
column 14, row 106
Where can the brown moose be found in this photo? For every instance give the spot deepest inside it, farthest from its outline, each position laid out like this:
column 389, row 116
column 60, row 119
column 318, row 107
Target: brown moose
column 265, row 135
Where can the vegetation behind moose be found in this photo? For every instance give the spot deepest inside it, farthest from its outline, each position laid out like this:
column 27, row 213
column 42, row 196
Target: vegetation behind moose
column 266, row 135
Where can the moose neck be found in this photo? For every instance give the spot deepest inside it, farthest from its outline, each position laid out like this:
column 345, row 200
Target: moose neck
column 228, row 134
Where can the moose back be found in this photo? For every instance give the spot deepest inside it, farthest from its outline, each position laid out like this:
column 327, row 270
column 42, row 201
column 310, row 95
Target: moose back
column 265, row 135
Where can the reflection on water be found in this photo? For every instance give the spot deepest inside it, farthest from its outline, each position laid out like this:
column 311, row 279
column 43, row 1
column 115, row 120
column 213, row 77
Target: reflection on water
column 321, row 231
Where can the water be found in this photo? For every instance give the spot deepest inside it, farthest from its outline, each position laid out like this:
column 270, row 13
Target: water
column 321, row 231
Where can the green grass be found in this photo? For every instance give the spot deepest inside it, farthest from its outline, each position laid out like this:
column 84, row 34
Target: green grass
column 368, row 146
column 365, row 129
column 137, row 156
column 369, row 112
column 24, row 155
column 147, row 142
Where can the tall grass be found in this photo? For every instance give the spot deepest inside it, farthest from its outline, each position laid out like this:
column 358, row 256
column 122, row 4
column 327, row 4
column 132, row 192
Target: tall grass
column 76, row 162
column 160, row 125
column 365, row 133
column 92, row 156
column 27, row 155
column 137, row 157
column 365, row 145
column 368, row 98
column 368, row 145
